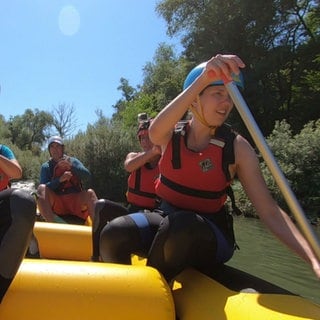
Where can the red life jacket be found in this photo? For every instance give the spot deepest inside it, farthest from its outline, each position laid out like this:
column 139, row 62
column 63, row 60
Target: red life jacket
column 196, row 181
column 58, row 170
column 4, row 180
column 141, row 191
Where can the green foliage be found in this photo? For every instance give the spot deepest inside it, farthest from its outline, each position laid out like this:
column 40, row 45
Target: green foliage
column 4, row 129
column 30, row 164
column 298, row 158
column 142, row 103
column 28, row 130
column 103, row 149
column 278, row 45
column 163, row 78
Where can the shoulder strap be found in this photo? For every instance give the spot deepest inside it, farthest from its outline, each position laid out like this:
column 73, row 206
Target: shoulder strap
column 137, row 179
column 226, row 134
column 179, row 131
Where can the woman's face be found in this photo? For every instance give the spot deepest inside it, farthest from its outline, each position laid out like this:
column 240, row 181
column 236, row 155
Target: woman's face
column 216, row 104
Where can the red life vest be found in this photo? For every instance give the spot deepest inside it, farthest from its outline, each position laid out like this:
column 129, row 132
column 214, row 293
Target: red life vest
column 141, row 191
column 59, row 169
column 4, row 180
column 200, row 181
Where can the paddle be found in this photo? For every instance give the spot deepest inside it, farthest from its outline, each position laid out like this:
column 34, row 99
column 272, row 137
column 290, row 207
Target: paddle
column 273, row 166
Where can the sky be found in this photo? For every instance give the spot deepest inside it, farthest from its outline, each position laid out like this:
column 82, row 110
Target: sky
column 57, row 52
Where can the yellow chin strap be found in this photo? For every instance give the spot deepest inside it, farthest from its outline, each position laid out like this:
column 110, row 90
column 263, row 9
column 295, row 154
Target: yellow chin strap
column 201, row 117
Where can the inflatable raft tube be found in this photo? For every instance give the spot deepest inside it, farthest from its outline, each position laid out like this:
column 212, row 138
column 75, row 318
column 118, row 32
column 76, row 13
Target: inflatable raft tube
column 63, row 241
column 65, row 290
column 196, row 296
column 200, row 297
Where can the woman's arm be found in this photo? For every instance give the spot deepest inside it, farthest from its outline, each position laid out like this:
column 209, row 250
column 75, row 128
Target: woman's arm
column 250, row 176
column 136, row 160
column 10, row 167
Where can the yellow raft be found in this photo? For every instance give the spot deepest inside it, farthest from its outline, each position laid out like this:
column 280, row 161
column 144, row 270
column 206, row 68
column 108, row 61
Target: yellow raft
column 59, row 287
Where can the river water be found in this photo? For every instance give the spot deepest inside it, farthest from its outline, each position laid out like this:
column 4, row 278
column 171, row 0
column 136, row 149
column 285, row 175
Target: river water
column 262, row 255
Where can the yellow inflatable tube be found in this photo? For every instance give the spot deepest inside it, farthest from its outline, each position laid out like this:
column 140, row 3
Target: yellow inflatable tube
column 206, row 299
column 63, row 241
column 65, row 290
column 195, row 295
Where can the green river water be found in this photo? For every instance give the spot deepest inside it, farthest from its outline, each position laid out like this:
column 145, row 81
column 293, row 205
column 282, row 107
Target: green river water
column 262, row 255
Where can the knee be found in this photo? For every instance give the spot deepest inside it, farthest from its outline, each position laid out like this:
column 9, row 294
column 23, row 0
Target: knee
column 109, row 242
column 23, row 206
column 116, row 233
column 91, row 195
column 109, row 234
column 41, row 190
column 99, row 220
column 99, row 205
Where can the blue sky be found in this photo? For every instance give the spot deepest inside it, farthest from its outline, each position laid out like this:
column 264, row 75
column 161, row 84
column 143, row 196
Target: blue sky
column 58, row 52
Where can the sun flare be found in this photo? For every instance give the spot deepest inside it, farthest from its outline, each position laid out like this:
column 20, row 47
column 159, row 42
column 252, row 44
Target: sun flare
column 69, row 20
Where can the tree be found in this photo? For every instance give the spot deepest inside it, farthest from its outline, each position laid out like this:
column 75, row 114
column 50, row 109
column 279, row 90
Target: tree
column 128, row 94
column 28, row 132
column 64, row 119
column 298, row 158
column 163, row 77
column 103, row 149
column 269, row 42
column 4, row 129
column 162, row 81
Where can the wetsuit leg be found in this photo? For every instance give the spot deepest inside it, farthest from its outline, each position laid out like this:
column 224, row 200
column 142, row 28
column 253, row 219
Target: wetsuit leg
column 185, row 239
column 18, row 214
column 130, row 234
column 105, row 211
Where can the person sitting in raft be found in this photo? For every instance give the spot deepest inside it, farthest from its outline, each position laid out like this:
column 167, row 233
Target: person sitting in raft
column 197, row 230
column 143, row 169
column 17, row 217
column 61, row 196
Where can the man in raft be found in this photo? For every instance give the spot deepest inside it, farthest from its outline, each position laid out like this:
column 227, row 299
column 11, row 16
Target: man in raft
column 61, row 196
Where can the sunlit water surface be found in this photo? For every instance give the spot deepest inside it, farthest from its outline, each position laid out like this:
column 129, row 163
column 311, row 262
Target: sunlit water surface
column 262, row 255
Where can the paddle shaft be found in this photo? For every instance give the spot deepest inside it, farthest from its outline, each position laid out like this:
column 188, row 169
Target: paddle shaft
column 273, row 167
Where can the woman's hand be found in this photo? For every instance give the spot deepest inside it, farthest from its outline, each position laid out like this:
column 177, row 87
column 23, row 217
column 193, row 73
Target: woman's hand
column 222, row 66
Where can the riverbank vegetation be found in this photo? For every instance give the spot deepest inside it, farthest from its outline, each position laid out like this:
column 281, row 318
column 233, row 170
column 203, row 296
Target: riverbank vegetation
column 279, row 42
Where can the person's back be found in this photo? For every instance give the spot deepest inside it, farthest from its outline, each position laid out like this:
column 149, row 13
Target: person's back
column 61, row 196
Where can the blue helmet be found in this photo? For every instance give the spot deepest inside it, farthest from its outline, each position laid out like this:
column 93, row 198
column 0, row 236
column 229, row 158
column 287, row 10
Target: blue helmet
column 196, row 71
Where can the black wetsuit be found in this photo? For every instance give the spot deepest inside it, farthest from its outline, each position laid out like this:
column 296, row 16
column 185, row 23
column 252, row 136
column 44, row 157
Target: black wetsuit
column 17, row 217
